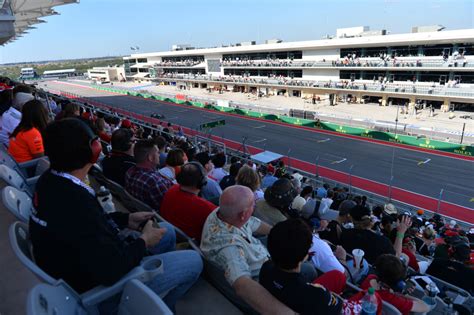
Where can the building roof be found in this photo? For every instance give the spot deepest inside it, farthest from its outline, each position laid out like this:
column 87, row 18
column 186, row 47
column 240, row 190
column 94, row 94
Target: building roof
column 454, row 36
column 59, row 71
column 24, row 14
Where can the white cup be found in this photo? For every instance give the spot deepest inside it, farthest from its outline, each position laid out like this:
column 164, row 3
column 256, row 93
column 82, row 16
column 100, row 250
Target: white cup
column 358, row 256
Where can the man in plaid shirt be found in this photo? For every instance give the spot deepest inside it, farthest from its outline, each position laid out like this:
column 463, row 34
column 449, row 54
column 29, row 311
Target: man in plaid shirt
column 143, row 181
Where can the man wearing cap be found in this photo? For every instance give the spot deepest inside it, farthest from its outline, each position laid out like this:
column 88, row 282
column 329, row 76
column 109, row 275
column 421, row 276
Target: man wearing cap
column 455, row 270
column 12, row 117
column 333, row 231
column 373, row 244
column 277, row 200
column 211, row 191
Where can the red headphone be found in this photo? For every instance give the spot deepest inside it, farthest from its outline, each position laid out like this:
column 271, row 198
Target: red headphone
column 96, row 149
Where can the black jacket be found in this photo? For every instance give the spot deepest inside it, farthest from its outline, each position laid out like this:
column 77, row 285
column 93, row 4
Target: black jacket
column 116, row 165
column 78, row 243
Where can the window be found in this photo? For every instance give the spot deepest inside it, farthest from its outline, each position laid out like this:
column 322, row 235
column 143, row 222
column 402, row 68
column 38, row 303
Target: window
column 142, row 60
column 265, row 55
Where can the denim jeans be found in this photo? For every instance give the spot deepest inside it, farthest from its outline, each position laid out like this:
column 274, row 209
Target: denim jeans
column 181, row 269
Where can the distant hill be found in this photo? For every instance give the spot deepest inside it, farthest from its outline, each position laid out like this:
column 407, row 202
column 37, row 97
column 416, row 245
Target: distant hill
column 12, row 70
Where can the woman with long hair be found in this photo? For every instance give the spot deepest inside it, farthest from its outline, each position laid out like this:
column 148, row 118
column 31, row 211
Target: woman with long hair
column 26, row 142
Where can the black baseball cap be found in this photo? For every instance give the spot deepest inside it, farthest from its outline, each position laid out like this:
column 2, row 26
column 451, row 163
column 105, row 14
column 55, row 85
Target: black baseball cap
column 359, row 213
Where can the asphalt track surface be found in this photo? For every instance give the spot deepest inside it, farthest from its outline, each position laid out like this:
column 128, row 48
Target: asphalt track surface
column 421, row 173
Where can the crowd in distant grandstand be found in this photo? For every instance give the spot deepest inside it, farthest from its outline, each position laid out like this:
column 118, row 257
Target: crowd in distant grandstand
column 351, row 60
column 183, row 63
column 283, row 245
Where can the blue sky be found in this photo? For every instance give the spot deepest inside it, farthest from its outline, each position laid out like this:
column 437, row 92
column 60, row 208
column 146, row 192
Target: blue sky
column 109, row 27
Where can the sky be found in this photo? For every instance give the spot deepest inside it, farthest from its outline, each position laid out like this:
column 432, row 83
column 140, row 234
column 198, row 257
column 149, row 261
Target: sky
column 96, row 28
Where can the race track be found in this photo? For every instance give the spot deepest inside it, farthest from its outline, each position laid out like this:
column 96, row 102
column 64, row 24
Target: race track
column 422, row 173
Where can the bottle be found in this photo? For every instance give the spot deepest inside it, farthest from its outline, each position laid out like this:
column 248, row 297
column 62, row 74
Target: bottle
column 105, row 199
column 369, row 303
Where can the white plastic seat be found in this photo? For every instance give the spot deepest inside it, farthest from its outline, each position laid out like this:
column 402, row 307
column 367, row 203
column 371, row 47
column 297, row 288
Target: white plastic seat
column 21, row 245
column 18, row 202
column 137, row 298
column 12, row 178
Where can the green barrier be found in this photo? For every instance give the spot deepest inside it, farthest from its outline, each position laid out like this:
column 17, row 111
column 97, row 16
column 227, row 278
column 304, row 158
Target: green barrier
column 355, row 131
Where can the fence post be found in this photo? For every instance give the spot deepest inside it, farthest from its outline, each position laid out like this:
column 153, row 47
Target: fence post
column 288, row 156
column 390, row 189
column 350, row 179
column 439, row 200
column 317, row 166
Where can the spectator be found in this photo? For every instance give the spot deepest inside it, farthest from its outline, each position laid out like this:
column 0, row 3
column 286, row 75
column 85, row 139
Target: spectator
column 288, row 244
column 70, row 110
column 321, row 192
column 12, row 117
column 248, row 177
column 26, row 141
column 333, row 231
column 174, row 160
column 211, row 191
column 268, row 178
column 322, row 255
column 389, row 282
column 228, row 241
column 75, row 240
column 387, row 225
column 143, row 181
column 362, row 237
column 455, row 269
column 102, row 127
column 116, row 165
column 218, row 173
column 229, row 180
column 162, row 144
column 300, row 200
column 277, row 200
column 425, row 246
column 181, row 204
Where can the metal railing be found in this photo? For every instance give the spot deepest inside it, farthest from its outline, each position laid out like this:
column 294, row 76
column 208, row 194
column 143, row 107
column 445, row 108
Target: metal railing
column 347, row 86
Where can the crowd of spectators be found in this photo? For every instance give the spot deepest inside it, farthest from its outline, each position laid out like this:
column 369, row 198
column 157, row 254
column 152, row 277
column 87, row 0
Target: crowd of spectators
column 282, row 244
column 183, row 63
column 352, row 60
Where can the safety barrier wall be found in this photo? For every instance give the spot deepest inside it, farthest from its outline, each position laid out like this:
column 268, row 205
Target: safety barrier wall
column 425, row 142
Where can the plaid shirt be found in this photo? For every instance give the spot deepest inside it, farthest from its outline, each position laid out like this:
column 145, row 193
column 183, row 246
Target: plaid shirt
column 147, row 185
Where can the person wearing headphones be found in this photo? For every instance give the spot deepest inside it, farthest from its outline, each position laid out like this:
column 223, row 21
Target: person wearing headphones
column 121, row 158
column 389, row 283
column 74, row 239
column 182, row 205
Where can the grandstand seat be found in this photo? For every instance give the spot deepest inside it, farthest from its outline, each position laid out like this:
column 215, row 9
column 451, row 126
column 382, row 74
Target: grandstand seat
column 456, row 294
column 215, row 275
column 13, row 178
column 137, row 298
column 389, row 309
column 21, row 245
column 18, row 202
column 25, row 169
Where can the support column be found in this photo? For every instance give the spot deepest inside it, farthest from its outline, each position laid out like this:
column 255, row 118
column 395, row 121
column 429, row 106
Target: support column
column 411, row 105
column 445, row 106
column 384, row 100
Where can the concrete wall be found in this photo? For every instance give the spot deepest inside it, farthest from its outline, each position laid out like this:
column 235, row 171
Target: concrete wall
column 321, row 74
column 320, row 54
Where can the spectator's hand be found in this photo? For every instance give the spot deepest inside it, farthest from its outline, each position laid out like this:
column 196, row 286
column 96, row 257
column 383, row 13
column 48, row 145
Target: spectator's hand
column 152, row 235
column 340, row 253
column 404, row 224
column 138, row 218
